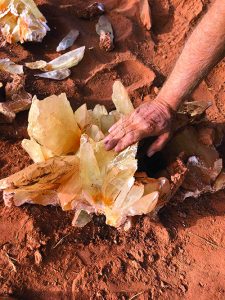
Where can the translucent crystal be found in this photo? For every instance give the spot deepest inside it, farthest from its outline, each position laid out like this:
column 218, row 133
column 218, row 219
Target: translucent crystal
column 68, row 40
column 56, row 74
column 8, row 66
column 22, row 21
column 194, row 108
column 67, row 60
column 54, row 113
column 91, row 180
column 39, row 64
column 121, row 99
column 105, row 31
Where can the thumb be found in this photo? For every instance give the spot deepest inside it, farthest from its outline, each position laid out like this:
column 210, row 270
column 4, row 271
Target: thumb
column 158, row 144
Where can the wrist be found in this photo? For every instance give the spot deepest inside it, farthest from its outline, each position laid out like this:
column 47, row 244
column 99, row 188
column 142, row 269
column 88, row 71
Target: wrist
column 164, row 108
column 170, row 104
column 172, row 101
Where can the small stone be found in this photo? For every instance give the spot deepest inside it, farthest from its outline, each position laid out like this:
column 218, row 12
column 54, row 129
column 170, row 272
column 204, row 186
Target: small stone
column 183, row 288
column 37, row 257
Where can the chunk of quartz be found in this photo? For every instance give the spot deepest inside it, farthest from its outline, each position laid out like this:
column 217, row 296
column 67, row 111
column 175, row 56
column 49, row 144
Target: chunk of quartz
column 9, row 66
column 56, row 74
column 67, row 60
column 68, row 40
column 105, row 31
column 72, row 168
column 55, row 114
column 21, row 21
column 39, row 64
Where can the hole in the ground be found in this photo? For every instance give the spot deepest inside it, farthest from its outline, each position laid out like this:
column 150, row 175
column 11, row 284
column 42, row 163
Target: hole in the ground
column 150, row 165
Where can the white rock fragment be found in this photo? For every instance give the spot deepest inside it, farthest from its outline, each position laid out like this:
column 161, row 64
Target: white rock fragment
column 67, row 60
column 68, row 40
column 105, row 31
column 9, row 66
column 21, row 21
column 56, row 74
column 36, row 65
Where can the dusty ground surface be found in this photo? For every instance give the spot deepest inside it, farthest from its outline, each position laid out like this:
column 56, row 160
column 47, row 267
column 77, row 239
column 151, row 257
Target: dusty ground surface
column 180, row 257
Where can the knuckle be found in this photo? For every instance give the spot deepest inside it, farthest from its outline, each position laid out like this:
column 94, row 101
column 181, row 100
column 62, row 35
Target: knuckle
column 132, row 137
column 147, row 126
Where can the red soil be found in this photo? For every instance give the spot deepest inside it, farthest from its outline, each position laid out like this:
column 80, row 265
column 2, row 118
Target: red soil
column 179, row 257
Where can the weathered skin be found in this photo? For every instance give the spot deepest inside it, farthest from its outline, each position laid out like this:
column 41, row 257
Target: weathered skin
column 201, row 53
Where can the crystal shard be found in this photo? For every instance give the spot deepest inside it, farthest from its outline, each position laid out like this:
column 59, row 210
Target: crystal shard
column 56, row 74
column 8, row 66
column 72, row 167
column 68, row 40
column 21, row 21
column 67, row 60
column 105, row 31
column 55, row 113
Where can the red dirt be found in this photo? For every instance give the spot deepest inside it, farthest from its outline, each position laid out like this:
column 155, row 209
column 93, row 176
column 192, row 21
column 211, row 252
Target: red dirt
column 179, row 257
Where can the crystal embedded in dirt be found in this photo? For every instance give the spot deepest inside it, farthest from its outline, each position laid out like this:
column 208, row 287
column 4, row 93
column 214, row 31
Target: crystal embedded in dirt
column 145, row 14
column 9, row 66
column 92, row 11
column 200, row 178
column 61, row 63
column 105, row 31
column 68, row 40
column 120, row 93
column 54, row 114
column 56, row 74
column 203, row 162
column 36, row 65
column 194, row 108
column 66, row 61
column 92, row 179
column 21, row 21
column 81, row 218
column 38, row 182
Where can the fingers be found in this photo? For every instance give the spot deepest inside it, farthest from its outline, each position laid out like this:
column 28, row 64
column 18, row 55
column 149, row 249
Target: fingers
column 116, row 125
column 117, row 132
column 122, row 138
column 128, row 140
column 149, row 119
column 158, row 144
column 114, row 136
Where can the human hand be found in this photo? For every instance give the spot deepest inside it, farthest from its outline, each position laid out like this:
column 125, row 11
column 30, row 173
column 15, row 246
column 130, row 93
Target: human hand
column 149, row 119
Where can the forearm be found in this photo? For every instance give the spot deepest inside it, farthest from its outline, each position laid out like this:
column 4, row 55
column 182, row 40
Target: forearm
column 202, row 51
